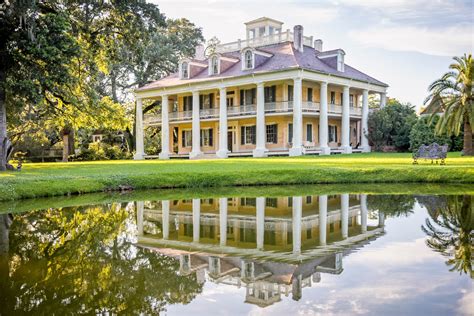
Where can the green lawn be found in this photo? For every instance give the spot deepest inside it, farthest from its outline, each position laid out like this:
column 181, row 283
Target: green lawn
column 48, row 179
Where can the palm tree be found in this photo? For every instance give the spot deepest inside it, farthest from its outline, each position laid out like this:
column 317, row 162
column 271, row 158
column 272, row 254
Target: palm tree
column 451, row 233
column 453, row 95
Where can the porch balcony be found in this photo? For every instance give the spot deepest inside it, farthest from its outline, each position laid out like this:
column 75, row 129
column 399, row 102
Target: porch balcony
column 243, row 110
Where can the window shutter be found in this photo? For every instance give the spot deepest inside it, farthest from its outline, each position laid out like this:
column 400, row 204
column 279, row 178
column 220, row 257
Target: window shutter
column 183, row 141
column 290, row 132
column 275, row 140
column 273, row 93
column 211, row 134
column 342, row 96
column 242, row 97
column 254, row 96
column 201, row 138
column 254, row 134
column 335, row 132
column 201, row 101
column 242, row 135
column 211, row 100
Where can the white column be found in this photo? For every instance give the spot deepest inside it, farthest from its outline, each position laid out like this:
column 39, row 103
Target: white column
column 196, row 151
column 139, row 146
column 297, row 148
column 381, row 219
column 297, row 214
column 323, row 120
column 365, row 118
column 346, row 122
column 140, row 207
column 260, row 150
column 165, row 129
column 165, row 209
column 383, row 100
column 363, row 212
column 223, row 151
column 196, row 219
column 323, row 219
column 345, row 215
column 260, row 222
column 223, row 221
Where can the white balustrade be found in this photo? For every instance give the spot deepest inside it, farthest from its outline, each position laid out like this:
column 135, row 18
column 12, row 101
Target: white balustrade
column 285, row 106
column 356, row 111
column 309, row 106
column 335, row 108
column 209, row 113
column 241, row 110
column 261, row 41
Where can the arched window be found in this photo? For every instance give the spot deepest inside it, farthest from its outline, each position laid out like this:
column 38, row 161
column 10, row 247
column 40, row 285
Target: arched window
column 248, row 59
column 184, row 70
column 215, row 65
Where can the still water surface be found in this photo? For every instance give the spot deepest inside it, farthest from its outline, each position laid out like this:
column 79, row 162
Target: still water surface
column 278, row 254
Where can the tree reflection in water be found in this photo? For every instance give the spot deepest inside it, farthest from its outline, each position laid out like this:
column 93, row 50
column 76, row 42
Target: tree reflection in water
column 450, row 230
column 81, row 260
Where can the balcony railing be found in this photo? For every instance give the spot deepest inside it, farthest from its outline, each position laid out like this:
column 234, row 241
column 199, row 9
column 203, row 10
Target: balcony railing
column 245, row 110
column 261, row 41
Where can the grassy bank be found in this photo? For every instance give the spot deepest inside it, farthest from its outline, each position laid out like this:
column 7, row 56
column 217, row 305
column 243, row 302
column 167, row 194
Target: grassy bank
column 51, row 179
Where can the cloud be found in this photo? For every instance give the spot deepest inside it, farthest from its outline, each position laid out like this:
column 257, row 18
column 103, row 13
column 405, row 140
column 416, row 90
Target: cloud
column 455, row 40
column 465, row 304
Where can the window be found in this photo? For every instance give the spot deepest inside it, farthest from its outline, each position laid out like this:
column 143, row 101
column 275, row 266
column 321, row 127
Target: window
column 310, row 94
column 342, row 98
column 290, row 201
column 262, row 30
column 290, row 132
column 248, row 97
column 206, row 137
column 290, row 93
column 206, row 101
column 272, row 133
column 270, row 94
column 248, row 59
column 248, row 201
column 332, row 134
column 230, row 101
column 184, row 71
column 309, row 199
column 214, row 65
column 188, row 103
column 271, row 202
column 333, row 97
column 309, row 132
column 248, row 134
column 351, row 100
column 186, row 139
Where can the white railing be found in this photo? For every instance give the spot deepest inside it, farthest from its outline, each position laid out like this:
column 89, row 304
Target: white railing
column 151, row 118
column 241, row 110
column 284, row 106
column 262, row 41
column 309, row 106
column 356, row 111
column 180, row 115
column 208, row 113
column 334, row 108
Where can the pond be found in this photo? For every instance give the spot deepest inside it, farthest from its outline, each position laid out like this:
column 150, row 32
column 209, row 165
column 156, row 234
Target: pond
column 340, row 250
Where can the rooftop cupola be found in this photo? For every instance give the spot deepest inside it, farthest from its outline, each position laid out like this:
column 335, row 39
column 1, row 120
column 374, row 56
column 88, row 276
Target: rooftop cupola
column 262, row 27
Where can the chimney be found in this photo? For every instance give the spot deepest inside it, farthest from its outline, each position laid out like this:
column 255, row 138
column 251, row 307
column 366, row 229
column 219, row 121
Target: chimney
column 199, row 52
column 318, row 45
column 298, row 37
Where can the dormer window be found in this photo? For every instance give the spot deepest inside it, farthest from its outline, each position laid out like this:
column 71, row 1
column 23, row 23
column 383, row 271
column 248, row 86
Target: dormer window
column 214, row 64
column 248, row 59
column 184, row 70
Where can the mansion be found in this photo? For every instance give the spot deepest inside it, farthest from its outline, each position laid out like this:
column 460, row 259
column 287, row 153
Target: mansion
column 275, row 93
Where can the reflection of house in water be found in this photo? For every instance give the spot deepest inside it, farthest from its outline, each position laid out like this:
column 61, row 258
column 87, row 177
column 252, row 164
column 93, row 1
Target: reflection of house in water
column 271, row 246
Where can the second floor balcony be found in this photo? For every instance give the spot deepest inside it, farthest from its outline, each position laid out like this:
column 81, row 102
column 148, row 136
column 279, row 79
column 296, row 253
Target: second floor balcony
column 248, row 110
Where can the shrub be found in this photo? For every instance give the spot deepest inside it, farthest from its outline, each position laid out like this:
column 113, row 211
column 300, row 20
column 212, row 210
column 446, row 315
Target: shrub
column 423, row 133
column 101, row 151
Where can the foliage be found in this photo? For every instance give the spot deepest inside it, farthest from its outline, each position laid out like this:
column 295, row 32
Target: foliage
column 81, row 260
column 453, row 95
column 64, row 179
column 391, row 205
column 101, row 151
column 391, row 125
column 423, row 132
column 451, row 231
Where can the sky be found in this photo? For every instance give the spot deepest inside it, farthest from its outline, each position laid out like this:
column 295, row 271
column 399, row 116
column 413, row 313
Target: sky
column 405, row 43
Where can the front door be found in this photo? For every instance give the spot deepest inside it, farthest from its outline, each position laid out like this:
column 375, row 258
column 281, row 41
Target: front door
column 230, row 140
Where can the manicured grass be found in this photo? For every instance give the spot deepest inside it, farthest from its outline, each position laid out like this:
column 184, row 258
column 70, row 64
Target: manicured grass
column 50, row 179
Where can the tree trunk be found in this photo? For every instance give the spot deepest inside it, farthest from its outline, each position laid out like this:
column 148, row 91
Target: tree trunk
column 113, row 83
column 467, row 147
column 3, row 125
column 65, row 147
